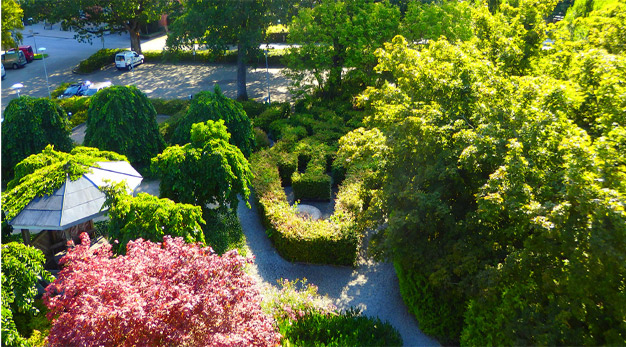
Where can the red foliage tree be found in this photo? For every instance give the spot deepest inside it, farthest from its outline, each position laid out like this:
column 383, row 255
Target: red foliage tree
column 158, row 294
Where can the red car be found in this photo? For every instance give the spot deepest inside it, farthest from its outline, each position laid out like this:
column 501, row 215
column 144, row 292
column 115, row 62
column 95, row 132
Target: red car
column 28, row 52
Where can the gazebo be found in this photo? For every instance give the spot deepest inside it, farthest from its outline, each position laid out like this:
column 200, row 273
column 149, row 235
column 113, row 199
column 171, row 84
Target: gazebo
column 70, row 210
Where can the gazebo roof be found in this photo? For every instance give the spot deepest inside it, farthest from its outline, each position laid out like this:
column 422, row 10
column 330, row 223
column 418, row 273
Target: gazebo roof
column 76, row 201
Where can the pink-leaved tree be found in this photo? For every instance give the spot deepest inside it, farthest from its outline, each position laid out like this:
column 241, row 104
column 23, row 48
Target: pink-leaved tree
column 158, row 294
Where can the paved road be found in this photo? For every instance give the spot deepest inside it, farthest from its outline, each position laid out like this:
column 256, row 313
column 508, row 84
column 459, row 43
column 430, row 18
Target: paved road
column 157, row 80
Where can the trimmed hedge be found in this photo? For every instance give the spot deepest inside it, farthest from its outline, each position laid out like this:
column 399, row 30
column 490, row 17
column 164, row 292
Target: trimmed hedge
column 274, row 58
column 349, row 328
column 314, row 183
column 99, row 60
column 332, row 241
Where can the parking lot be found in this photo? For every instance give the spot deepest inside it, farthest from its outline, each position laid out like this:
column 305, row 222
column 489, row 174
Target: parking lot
column 156, row 80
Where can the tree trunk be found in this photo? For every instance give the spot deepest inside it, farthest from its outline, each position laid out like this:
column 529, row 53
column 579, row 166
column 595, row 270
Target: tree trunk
column 334, row 76
column 135, row 41
column 242, row 93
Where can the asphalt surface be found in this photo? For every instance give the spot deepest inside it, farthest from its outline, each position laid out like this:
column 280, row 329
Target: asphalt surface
column 169, row 81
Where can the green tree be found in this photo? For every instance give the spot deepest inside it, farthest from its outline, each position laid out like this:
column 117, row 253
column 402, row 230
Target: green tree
column 22, row 268
column 29, row 126
column 452, row 19
column 216, row 24
column 89, row 18
column 208, row 170
column 338, row 35
column 493, row 199
column 122, row 119
column 215, row 106
column 11, row 20
column 514, row 34
column 150, row 218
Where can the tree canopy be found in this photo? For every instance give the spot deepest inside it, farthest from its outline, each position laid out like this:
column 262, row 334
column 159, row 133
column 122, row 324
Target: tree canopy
column 208, row 170
column 150, row 218
column 29, row 126
column 122, row 119
column 216, row 106
column 335, row 35
column 169, row 293
column 499, row 193
column 43, row 173
column 12, row 15
column 217, row 24
column 89, row 18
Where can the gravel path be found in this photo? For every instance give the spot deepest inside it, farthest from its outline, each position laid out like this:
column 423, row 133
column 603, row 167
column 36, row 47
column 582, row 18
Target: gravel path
column 372, row 286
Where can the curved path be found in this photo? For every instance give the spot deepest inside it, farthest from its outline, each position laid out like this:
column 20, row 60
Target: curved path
column 372, row 286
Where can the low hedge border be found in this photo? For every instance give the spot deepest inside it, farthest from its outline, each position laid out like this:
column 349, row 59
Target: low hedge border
column 313, row 183
column 333, row 241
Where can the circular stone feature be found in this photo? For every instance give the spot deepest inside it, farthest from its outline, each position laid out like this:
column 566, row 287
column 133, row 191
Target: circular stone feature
column 309, row 211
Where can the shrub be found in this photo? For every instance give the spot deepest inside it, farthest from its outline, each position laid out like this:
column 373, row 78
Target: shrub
column 293, row 300
column 122, row 119
column 268, row 116
column 253, row 108
column 261, row 139
column 215, row 106
column 223, row 231
column 77, row 106
column 170, row 293
column 170, row 107
column 34, row 328
column 98, row 60
column 150, row 218
column 167, row 128
column 29, row 126
column 346, row 329
column 22, row 267
column 333, row 241
column 287, row 165
column 314, row 183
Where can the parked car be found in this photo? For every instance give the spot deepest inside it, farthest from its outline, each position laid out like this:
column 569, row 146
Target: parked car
column 127, row 60
column 75, row 89
column 4, row 73
column 96, row 87
column 28, row 52
column 14, row 59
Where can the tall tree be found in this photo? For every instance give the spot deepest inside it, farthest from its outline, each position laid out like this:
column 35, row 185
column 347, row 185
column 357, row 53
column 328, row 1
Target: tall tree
column 91, row 18
column 29, row 126
column 217, row 24
column 11, row 20
column 336, row 35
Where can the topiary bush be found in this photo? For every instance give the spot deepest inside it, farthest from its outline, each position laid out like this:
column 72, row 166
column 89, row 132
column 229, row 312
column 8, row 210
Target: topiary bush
column 29, row 126
column 123, row 120
column 271, row 114
column 215, row 106
column 349, row 328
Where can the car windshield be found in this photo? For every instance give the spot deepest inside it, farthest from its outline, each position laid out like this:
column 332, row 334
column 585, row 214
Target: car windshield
column 90, row 92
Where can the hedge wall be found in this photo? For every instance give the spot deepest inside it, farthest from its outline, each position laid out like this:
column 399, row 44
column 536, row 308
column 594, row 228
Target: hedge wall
column 314, row 183
column 332, row 241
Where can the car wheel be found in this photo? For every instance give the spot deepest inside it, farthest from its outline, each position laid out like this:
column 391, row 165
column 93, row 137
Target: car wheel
column 129, row 67
column 15, row 66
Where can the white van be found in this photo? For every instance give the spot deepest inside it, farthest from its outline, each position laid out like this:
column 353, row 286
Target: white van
column 127, row 60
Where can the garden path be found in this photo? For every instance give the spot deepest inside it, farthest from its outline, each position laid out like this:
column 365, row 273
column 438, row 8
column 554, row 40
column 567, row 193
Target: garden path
column 371, row 286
